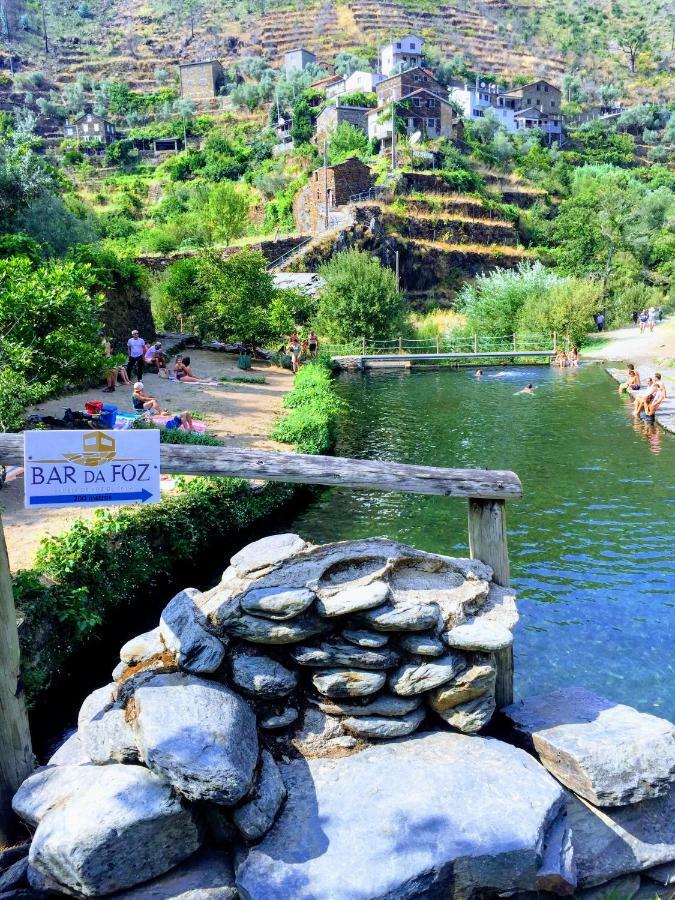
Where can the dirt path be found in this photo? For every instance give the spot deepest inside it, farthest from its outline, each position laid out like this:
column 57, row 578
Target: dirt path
column 628, row 345
column 242, row 415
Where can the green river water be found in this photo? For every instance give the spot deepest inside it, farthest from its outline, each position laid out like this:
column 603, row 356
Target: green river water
column 592, row 542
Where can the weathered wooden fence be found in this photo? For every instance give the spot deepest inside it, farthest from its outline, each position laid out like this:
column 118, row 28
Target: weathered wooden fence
column 486, row 492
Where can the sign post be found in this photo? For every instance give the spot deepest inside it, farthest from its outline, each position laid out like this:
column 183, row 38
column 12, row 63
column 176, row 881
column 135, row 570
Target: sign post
column 87, row 468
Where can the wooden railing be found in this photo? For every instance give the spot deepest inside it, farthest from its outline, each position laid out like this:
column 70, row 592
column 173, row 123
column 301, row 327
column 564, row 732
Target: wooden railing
column 486, row 492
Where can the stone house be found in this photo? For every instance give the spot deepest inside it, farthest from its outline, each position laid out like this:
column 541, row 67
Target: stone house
column 332, row 116
column 329, row 188
column 297, row 60
column 89, row 128
column 201, row 80
column 422, row 112
column 540, row 99
column 405, row 52
column 400, row 86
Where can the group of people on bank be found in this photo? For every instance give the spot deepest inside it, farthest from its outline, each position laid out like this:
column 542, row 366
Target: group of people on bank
column 646, row 319
column 647, row 397
column 305, row 348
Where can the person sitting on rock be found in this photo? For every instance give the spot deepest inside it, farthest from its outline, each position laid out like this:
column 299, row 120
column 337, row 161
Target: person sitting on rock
column 653, row 398
column 632, row 382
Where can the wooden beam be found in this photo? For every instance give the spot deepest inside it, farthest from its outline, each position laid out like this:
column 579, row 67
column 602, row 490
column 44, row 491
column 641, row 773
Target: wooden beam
column 487, row 542
column 16, row 754
column 357, row 474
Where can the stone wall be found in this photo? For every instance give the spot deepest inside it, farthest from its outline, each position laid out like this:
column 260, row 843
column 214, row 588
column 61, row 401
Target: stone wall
column 244, row 749
column 332, row 187
column 270, row 249
column 125, row 309
column 439, row 226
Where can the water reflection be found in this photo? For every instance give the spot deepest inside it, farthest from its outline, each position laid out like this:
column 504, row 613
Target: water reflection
column 592, row 541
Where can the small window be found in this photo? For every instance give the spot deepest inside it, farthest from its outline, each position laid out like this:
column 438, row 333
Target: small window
column 97, row 127
column 538, row 87
column 398, row 46
column 546, row 89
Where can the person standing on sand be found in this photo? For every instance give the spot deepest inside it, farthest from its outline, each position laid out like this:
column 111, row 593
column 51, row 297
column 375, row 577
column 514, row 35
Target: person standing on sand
column 136, row 348
column 313, row 343
column 600, row 321
column 295, row 349
column 644, row 318
column 651, row 318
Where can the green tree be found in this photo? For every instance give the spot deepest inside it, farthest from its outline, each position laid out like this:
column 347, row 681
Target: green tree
column 303, row 117
column 361, row 298
column 567, row 308
column 632, row 39
column 226, row 212
column 345, row 141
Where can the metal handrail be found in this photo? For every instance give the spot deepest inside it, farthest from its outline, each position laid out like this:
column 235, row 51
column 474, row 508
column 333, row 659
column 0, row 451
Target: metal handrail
column 274, row 262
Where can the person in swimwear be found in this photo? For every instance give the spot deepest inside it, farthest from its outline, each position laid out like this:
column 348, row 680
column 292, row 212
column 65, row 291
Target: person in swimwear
column 528, row 389
column 632, row 382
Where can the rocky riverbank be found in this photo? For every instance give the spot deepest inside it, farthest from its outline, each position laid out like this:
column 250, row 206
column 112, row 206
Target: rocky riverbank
column 259, row 744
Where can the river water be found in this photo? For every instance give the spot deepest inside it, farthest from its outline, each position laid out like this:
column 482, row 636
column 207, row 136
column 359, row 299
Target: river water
column 592, row 542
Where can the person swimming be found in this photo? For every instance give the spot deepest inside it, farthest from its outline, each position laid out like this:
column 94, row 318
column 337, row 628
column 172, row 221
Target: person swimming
column 479, row 373
column 528, row 389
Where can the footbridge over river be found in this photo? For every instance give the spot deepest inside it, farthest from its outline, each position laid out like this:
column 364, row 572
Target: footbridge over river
column 476, row 349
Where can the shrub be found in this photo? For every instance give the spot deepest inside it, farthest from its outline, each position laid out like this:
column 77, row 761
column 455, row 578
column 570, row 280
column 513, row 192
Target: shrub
column 361, row 298
column 314, row 410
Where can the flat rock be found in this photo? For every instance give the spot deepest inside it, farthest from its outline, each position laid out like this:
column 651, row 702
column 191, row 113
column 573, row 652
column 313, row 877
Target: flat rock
column 347, row 682
column 353, row 599
column 337, row 653
column 267, row 631
column 142, row 647
column 364, row 638
column 433, row 815
column 70, row 753
column 415, row 678
column 468, row 685
column 267, row 552
column 50, row 786
column 402, row 616
column 612, row 842
column 383, row 727
column 197, row 734
column 384, row 705
column 124, row 828
column 283, row 720
column 182, row 630
column 422, row 644
column 277, row 602
column 624, row 888
column 255, row 817
column 262, row 676
column 606, row 752
column 479, row 634
column 206, row 875
column 470, row 717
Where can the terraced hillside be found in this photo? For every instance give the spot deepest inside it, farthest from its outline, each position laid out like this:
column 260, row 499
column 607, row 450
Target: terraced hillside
column 131, row 40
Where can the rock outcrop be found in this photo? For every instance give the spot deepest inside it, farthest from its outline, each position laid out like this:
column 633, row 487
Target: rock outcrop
column 301, row 723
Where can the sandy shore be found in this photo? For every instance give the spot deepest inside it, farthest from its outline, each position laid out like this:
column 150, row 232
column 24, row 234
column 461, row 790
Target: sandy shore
column 242, row 415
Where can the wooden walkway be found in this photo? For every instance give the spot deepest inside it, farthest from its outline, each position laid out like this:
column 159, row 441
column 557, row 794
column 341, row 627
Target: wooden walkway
column 406, row 360
column 665, row 414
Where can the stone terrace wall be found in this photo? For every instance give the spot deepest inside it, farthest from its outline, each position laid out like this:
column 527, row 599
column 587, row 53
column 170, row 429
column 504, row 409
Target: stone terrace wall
column 271, row 250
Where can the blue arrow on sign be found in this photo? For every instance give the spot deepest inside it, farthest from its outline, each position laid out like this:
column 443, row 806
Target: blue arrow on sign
column 90, row 498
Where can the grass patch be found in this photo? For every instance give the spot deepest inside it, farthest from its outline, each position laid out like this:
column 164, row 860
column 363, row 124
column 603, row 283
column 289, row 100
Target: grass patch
column 313, row 410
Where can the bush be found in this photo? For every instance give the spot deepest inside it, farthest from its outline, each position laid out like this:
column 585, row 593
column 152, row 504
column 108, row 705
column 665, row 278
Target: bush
column 567, row 308
column 361, row 298
column 311, row 424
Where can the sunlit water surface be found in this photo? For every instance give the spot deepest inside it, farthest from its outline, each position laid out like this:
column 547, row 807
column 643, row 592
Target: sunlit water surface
column 592, row 542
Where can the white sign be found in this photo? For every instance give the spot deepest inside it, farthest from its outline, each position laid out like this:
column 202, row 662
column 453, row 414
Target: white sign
column 90, row 468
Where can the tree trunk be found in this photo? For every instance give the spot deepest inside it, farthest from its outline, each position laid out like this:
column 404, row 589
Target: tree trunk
column 44, row 28
column 16, row 754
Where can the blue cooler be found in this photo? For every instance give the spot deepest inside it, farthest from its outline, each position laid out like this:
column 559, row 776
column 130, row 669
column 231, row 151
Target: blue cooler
column 108, row 416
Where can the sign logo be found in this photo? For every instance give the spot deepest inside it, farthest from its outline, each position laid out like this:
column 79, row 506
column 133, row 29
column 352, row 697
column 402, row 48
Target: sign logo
column 85, row 468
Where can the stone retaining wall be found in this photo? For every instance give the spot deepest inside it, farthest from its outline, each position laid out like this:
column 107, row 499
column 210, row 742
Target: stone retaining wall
column 270, row 249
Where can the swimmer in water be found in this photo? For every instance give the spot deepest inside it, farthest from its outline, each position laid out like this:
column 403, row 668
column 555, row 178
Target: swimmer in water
column 479, row 373
column 526, row 390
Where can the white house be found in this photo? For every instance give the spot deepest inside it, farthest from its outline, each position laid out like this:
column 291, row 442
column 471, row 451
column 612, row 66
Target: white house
column 405, row 52
column 364, row 82
column 297, row 60
column 535, row 105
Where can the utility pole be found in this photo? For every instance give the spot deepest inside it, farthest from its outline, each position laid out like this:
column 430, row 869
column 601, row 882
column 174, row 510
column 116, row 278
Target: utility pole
column 393, row 130
column 16, row 754
column 44, row 26
column 325, row 178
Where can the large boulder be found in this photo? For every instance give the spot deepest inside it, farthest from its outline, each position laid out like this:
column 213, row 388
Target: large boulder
column 616, row 841
column 437, row 815
column 197, row 734
column 49, row 787
column 104, row 732
column 255, row 817
column 262, row 676
column 606, row 752
column 182, row 631
column 112, row 832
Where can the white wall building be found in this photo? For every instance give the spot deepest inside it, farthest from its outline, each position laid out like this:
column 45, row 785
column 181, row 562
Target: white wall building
column 297, row 60
column 406, row 51
column 531, row 106
column 365, row 82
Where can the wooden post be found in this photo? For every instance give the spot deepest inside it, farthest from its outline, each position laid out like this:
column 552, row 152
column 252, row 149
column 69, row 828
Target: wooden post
column 400, row 344
column 555, row 341
column 514, row 343
column 363, row 346
column 16, row 753
column 487, row 542
column 475, row 343
column 438, row 343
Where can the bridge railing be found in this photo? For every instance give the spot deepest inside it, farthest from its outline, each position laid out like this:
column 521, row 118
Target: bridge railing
column 469, row 344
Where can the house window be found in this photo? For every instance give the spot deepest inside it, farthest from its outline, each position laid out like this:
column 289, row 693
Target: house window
column 538, row 87
column 398, row 46
column 417, row 101
column 546, row 89
column 412, row 46
column 411, row 123
column 85, row 128
column 97, row 127
column 478, row 113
